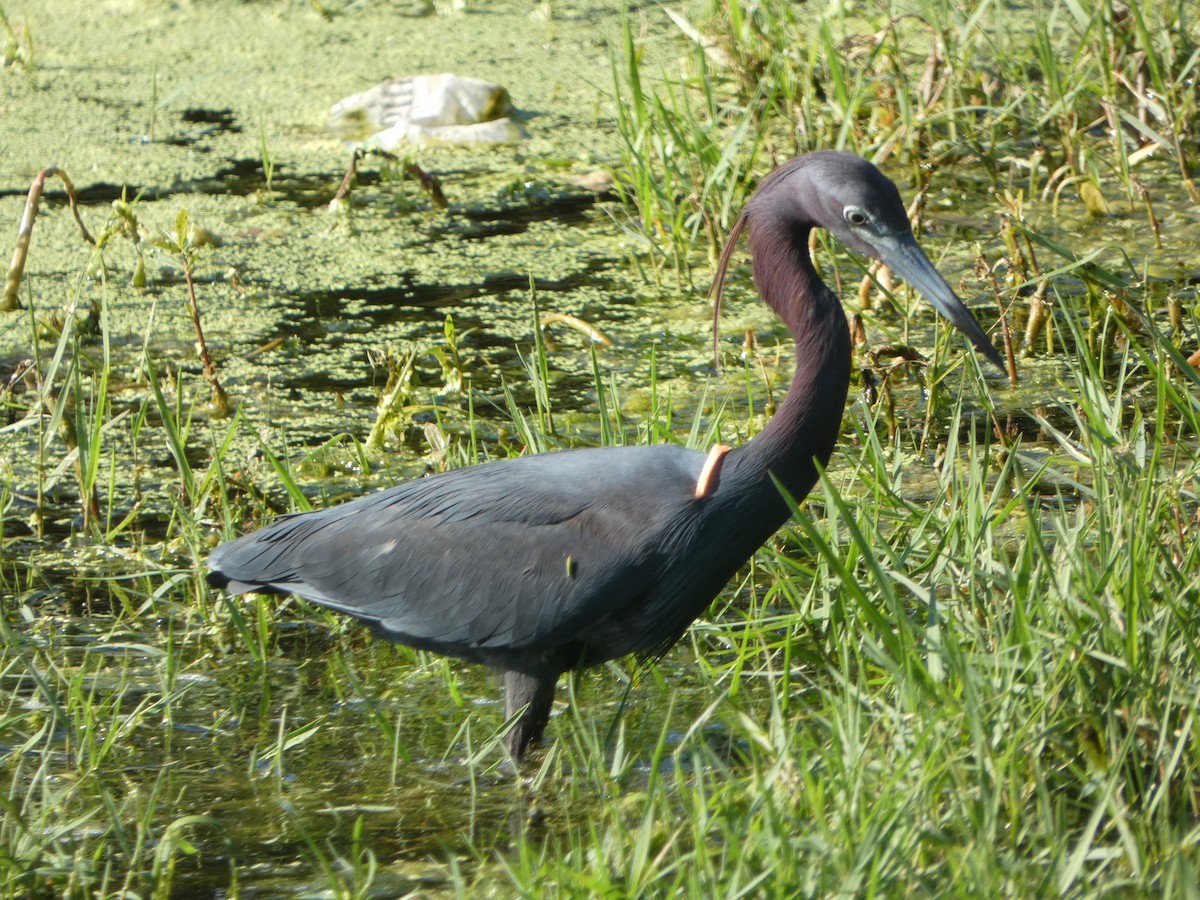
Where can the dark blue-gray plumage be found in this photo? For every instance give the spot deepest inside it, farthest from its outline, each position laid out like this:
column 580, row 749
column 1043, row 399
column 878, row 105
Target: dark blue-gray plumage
column 538, row 565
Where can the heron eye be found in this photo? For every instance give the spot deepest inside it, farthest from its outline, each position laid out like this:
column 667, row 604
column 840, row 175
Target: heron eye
column 855, row 216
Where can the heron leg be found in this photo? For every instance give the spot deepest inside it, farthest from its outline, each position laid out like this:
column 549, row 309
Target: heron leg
column 533, row 693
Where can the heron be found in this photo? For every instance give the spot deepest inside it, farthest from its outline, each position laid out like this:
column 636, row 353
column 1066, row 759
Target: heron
column 543, row 564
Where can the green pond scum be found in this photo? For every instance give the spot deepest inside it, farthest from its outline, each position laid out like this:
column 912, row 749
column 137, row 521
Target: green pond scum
column 969, row 665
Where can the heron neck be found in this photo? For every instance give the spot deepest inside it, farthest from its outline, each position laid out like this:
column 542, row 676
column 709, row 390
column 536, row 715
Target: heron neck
column 806, row 425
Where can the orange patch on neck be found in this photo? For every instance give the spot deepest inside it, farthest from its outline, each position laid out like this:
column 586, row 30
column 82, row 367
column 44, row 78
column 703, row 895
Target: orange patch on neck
column 709, row 475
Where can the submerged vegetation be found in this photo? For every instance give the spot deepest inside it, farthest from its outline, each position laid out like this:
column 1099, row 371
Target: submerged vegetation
column 970, row 665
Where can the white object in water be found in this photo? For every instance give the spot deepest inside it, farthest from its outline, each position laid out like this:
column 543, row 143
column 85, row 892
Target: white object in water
column 426, row 109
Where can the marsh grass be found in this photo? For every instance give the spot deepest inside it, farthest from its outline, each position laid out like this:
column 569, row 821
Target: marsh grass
column 1070, row 97
column 18, row 44
column 987, row 691
column 969, row 666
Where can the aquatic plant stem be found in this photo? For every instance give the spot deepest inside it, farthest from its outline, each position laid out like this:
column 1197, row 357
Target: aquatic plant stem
column 429, row 183
column 220, row 400
column 12, row 282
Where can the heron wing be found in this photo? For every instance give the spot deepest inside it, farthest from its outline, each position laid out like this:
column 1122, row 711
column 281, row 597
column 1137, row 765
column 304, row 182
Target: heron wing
column 518, row 554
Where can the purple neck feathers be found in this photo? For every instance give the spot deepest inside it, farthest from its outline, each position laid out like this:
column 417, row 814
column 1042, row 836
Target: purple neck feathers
column 806, row 425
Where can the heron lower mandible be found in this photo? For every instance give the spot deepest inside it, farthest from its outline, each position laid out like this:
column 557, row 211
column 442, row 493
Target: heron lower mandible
column 543, row 564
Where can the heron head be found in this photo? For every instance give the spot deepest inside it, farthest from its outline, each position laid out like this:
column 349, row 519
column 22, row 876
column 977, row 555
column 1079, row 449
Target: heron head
column 849, row 197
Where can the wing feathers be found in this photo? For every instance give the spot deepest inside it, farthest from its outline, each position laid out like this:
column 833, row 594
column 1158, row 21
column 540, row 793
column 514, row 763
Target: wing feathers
column 513, row 555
